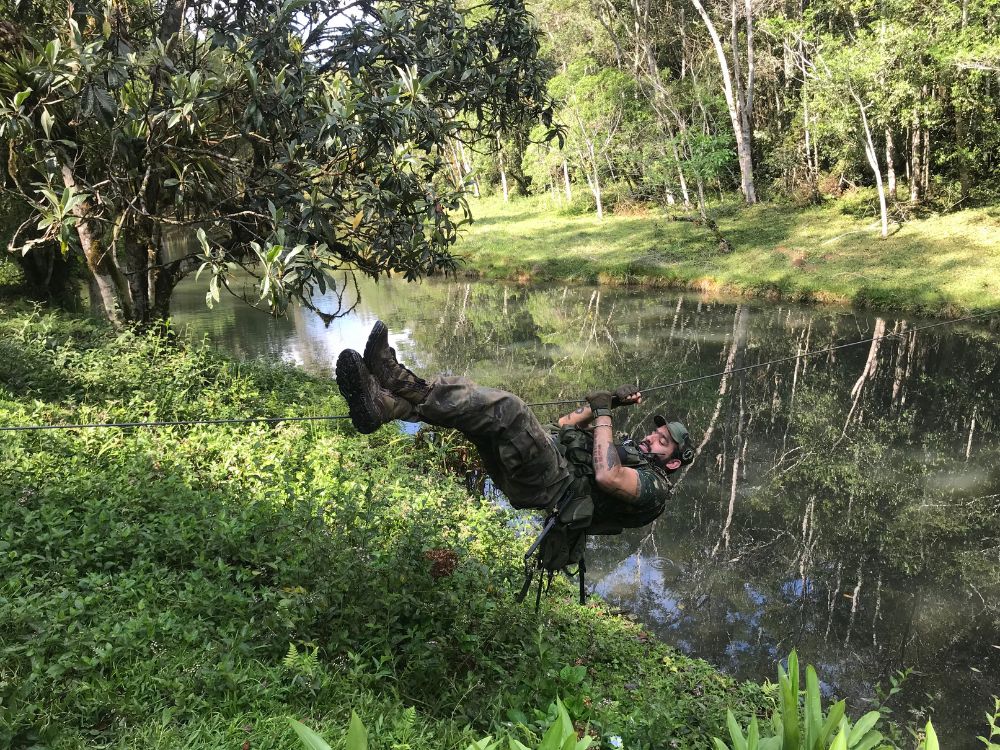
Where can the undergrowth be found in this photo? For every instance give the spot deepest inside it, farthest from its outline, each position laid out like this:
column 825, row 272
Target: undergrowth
column 195, row 586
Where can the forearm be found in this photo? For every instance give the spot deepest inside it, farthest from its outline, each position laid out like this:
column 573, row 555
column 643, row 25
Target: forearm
column 606, row 461
column 582, row 417
column 609, row 474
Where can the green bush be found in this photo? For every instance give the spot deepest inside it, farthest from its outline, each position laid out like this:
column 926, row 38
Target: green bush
column 10, row 275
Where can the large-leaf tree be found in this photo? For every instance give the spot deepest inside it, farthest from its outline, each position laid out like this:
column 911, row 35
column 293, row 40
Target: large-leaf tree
column 293, row 140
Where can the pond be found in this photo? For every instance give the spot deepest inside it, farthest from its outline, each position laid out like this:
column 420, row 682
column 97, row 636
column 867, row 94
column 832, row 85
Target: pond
column 844, row 504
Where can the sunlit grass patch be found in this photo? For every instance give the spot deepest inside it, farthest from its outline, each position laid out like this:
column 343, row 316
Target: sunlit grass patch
column 940, row 264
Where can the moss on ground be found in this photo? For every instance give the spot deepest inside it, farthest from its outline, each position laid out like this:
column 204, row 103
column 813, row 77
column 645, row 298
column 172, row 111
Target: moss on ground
column 943, row 264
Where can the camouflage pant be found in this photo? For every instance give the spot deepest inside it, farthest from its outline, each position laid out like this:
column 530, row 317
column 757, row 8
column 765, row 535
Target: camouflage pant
column 517, row 451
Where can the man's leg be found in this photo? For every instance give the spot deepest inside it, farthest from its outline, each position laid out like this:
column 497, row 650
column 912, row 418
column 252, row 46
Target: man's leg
column 517, row 451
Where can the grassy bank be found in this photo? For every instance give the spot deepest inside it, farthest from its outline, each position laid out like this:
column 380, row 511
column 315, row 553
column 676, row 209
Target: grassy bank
column 941, row 264
column 192, row 587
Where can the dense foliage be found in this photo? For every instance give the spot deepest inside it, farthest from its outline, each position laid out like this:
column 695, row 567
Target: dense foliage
column 297, row 138
column 801, row 100
column 191, row 587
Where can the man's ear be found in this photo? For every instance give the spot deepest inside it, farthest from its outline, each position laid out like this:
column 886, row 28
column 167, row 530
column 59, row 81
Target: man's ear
column 673, row 464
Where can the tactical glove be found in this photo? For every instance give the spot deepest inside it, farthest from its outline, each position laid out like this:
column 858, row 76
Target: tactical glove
column 624, row 395
column 600, row 401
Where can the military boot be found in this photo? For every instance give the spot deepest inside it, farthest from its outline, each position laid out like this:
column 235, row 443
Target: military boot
column 370, row 405
column 380, row 359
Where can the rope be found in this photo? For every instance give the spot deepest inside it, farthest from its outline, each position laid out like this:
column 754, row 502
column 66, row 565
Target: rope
column 180, row 422
column 676, row 383
column 828, row 349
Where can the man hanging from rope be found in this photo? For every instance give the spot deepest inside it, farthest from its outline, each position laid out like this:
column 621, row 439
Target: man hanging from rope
column 532, row 466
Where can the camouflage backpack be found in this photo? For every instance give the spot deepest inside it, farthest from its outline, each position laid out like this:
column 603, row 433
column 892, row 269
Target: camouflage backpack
column 562, row 542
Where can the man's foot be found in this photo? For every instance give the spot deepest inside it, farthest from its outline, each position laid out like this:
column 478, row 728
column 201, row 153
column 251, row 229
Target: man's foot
column 380, row 359
column 370, row 405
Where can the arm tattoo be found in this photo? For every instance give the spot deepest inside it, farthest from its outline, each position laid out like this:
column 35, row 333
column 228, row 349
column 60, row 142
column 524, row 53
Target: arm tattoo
column 613, row 461
column 580, row 410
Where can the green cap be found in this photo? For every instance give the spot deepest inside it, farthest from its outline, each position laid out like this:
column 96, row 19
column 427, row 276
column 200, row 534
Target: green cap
column 680, row 435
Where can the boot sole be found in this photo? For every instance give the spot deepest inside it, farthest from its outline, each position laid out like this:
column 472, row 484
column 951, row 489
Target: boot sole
column 377, row 339
column 365, row 414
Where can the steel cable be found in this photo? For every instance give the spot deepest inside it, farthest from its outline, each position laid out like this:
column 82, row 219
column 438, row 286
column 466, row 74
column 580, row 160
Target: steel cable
column 675, row 384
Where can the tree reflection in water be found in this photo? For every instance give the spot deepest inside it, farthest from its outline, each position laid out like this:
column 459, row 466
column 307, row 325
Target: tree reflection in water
column 844, row 504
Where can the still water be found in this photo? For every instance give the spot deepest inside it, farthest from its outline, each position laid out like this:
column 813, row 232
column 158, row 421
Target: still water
column 845, row 504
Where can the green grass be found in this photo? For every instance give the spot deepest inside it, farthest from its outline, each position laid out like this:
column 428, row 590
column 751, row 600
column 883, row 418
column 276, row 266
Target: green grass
column 191, row 588
column 943, row 264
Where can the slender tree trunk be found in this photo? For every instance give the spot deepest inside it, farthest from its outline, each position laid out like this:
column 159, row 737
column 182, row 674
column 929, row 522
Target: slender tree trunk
column 738, row 114
column 680, row 173
column 873, row 162
column 890, row 163
column 961, row 149
column 596, row 187
column 503, row 171
column 916, row 167
column 926, row 161
column 731, row 510
column 468, row 169
column 569, row 191
column 972, row 430
column 740, row 329
column 870, row 368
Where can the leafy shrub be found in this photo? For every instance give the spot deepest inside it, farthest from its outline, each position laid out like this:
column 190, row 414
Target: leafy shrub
column 796, row 725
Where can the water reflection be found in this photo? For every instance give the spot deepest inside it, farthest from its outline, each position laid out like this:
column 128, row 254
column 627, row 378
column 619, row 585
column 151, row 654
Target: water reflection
column 845, row 504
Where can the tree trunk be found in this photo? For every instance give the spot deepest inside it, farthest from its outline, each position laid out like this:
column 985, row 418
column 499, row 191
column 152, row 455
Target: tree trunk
column 595, row 186
column 680, row 173
column 503, row 171
column 468, row 168
column 739, row 115
column 873, row 162
column 916, row 167
column 926, row 161
column 961, row 149
column 890, row 163
column 569, row 191
column 108, row 289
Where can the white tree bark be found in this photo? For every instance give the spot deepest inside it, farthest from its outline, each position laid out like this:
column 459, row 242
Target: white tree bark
column 873, row 162
column 739, row 115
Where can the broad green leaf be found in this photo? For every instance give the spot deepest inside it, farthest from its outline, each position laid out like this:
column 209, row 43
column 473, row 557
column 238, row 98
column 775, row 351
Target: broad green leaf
column 931, row 741
column 719, row 744
column 486, row 743
column 552, row 739
column 47, row 121
column 832, row 720
column 202, row 239
column 52, row 50
column 308, row 737
column 20, row 96
column 753, row 736
column 840, row 743
column 357, row 735
column 862, row 726
column 813, row 709
column 869, row 741
column 739, row 741
column 789, row 682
